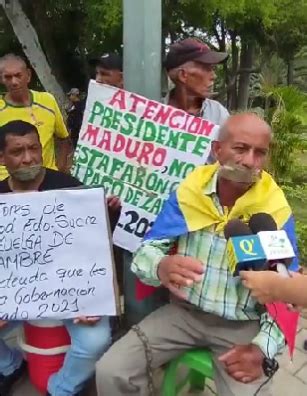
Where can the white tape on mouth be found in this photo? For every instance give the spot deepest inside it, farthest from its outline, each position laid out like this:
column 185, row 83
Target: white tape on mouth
column 239, row 174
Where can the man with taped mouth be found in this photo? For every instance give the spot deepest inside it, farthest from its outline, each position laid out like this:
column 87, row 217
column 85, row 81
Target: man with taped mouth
column 185, row 251
column 21, row 154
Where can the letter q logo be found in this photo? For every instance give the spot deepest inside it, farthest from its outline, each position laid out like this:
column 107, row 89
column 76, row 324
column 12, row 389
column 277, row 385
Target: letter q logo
column 247, row 247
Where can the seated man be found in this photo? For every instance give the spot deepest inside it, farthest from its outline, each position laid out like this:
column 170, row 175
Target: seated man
column 210, row 308
column 21, row 153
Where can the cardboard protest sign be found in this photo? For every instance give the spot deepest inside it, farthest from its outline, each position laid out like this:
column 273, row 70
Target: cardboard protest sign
column 55, row 255
column 140, row 150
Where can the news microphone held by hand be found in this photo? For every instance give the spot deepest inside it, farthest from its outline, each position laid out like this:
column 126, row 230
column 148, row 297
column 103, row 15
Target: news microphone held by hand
column 276, row 244
column 244, row 249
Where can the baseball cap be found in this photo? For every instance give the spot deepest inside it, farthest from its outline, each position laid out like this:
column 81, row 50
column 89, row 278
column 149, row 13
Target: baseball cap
column 74, row 91
column 110, row 61
column 192, row 49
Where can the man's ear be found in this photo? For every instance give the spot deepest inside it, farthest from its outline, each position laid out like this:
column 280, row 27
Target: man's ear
column 29, row 75
column 215, row 148
column 182, row 76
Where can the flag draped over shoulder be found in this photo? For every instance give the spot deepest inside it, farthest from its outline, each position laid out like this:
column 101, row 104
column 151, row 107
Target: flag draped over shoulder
column 188, row 209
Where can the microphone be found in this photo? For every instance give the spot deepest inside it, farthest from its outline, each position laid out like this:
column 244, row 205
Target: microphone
column 262, row 222
column 275, row 243
column 244, row 249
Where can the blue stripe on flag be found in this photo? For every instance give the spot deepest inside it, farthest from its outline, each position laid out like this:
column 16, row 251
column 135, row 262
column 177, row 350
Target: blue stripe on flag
column 170, row 222
column 289, row 227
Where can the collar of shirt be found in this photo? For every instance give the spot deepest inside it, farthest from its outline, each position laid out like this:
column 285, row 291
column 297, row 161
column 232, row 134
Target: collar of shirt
column 211, row 190
column 211, row 187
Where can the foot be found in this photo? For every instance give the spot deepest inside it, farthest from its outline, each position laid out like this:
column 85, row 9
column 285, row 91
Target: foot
column 7, row 382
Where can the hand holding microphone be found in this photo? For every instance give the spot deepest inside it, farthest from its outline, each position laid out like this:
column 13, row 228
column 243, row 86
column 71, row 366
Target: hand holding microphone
column 263, row 285
column 269, row 286
column 258, row 246
column 277, row 247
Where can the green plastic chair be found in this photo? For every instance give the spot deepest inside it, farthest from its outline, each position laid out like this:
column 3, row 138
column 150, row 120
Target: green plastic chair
column 199, row 362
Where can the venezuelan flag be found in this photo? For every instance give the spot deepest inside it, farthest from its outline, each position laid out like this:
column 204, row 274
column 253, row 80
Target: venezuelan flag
column 189, row 209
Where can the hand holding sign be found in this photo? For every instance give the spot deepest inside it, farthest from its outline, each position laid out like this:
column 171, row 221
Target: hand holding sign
column 89, row 321
column 114, row 203
column 2, row 323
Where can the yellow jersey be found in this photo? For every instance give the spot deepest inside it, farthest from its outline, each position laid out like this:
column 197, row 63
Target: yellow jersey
column 45, row 114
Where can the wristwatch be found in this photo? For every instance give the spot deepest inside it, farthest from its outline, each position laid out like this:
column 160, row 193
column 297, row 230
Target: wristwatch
column 269, row 366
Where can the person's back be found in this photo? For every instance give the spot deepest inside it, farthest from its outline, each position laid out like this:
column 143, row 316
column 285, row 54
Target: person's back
column 75, row 111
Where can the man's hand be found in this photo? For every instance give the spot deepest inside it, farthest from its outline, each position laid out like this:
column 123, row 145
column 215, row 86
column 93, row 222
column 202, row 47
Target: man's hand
column 2, row 323
column 87, row 320
column 243, row 363
column 114, row 203
column 263, row 284
column 176, row 271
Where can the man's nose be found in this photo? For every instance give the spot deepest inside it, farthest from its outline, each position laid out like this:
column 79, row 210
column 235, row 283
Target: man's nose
column 27, row 158
column 249, row 159
column 15, row 81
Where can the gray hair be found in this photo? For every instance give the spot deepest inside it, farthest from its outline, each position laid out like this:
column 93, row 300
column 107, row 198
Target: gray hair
column 223, row 132
column 173, row 73
column 12, row 58
column 224, row 128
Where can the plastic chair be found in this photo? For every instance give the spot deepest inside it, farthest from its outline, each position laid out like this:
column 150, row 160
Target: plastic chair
column 199, row 362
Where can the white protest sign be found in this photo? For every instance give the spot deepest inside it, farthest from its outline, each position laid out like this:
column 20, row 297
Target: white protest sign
column 55, row 255
column 139, row 150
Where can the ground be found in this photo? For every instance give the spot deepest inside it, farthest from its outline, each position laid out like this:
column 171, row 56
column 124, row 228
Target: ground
column 290, row 379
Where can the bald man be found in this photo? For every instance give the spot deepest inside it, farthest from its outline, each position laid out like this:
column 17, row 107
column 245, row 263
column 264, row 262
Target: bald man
column 209, row 307
column 37, row 108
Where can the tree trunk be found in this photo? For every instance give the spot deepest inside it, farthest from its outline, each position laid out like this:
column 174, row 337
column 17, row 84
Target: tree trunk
column 29, row 41
column 222, row 48
column 232, row 98
column 290, row 72
column 246, row 64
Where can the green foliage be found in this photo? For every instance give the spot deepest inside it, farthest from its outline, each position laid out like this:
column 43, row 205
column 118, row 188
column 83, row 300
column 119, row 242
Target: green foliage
column 297, row 199
column 301, row 229
column 284, row 106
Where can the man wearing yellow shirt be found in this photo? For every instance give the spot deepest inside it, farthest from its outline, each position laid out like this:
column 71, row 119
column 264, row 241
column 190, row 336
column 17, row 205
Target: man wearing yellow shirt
column 37, row 108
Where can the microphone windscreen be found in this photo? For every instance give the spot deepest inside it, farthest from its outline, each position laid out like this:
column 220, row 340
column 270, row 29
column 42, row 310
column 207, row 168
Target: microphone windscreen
column 262, row 222
column 235, row 228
